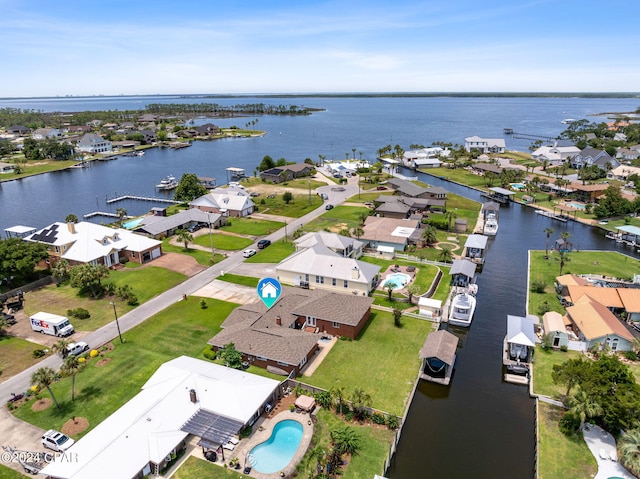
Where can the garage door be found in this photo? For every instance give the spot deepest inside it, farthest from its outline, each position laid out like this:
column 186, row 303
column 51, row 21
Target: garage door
column 155, row 253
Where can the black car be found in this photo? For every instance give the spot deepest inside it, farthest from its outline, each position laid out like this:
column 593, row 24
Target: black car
column 263, row 243
column 194, row 227
column 11, row 319
column 328, row 207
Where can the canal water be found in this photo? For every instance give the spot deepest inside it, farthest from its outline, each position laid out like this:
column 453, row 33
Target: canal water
column 480, row 426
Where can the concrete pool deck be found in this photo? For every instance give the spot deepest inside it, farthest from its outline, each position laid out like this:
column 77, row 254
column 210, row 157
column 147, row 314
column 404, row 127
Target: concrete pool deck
column 603, row 446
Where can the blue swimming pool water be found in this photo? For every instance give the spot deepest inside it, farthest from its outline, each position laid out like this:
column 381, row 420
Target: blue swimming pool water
column 399, row 279
column 277, row 451
column 132, row 223
column 578, row 206
column 517, row 186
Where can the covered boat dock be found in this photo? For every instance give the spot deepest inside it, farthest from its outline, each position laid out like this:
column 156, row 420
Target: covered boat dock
column 438, row 356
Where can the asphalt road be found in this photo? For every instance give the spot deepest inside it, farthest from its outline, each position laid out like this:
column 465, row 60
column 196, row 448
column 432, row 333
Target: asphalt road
column 22, row 381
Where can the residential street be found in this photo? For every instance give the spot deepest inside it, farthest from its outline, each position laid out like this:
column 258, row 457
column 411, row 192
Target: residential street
column 24, row 437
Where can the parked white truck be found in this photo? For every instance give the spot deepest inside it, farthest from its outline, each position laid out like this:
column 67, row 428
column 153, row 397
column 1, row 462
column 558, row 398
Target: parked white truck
column 52, row 324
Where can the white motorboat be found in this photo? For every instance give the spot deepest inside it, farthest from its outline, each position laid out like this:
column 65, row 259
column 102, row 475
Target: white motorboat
column 568, row 121
column 167, row 183
column 491, row 225
column 461, row 310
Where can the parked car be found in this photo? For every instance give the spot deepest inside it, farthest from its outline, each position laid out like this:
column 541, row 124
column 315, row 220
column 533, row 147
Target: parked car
column 11, row 319
column 76, row 349
column 328, row 207
column 194, row 227
column 248, row 253
column 324, row 196
column 56, row 440
column 380, row 188
column 263, row 243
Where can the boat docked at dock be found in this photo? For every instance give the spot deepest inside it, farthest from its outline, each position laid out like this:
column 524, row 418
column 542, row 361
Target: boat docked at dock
column 519, row 345
column 168, row 183
column 462, row 307
column 490, row 225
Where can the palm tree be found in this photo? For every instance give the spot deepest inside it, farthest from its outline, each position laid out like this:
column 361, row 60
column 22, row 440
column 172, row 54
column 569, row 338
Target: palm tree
column 338, row 395
column 70, row 367
column 43, row 378
column 549, row 232
column 397, row 317
column 360, row 400
column 184, row 237
column 412, row 290
column 430, row 235
column 122, row 214
column 564, row 259
column 450, row 216
column 60, row 347
column 583, row 406
column 71, row 218
column 445, row 255
column 565, row 235
column 389, row 286
column 346, row 440
column 629, row 445
column 357, row 232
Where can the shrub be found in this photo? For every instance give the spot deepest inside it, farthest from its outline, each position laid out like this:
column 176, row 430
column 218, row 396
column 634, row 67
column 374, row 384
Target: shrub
column 323, row 398
column 79, row 313
column 569, row 424
column 292, row 407
column 209, row 353
column 544, row 308
column 38, row 353
column 564, row 348
column 393, row 422
column 132, row 300
column 245, row 432
column 630, row 355
column 348, row 416
column 93, row 353
column 538, row 286
column 203, row 304
column 378, row 418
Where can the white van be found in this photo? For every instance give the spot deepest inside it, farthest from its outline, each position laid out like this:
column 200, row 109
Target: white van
column 52, row 324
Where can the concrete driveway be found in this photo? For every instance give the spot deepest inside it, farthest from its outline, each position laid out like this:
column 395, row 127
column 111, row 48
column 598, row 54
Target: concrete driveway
column 603, row 447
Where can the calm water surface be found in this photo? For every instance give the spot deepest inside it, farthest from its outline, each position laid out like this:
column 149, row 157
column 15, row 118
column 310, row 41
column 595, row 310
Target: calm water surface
column 478, row 427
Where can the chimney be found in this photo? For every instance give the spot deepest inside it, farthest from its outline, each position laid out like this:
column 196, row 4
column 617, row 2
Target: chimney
column 193, row 396
column 278, row 320
column 71, row 226
column 355, row 273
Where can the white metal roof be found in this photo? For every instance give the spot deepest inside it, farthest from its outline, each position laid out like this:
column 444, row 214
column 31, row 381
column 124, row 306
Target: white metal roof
column 521, row 331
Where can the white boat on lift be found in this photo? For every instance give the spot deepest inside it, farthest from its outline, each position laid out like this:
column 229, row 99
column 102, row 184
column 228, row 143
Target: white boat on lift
column 490, row 225
column 463, row 305
column 167, row 183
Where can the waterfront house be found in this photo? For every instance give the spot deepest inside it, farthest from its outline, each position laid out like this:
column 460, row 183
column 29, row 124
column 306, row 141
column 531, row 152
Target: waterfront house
column 208, row 129
column 484, row 145
column 407, row 188
column 425, row 157
column 555, row 331
column 159, row 227
column 148, row 136
column 390, row 232
column 227, row 202
column 563, row 282
column 318, row 267
column 594, row 156
column 93, row 143
column 587, row 193
column 594, row 324
column 185, row 397
column 284, row 337
column 483, row 169
column 89, row 243
column 280, row 174
column 556, row 154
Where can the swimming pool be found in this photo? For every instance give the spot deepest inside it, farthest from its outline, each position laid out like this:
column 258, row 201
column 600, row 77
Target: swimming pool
column 398, row 279
column 277, row 451
column 517, row 186
column 134, row 223
column 578, row 206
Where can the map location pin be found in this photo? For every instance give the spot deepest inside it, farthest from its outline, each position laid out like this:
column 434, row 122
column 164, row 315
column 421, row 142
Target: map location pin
column 269, row 290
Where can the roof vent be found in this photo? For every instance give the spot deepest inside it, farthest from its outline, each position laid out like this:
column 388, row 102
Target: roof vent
column 193, row 396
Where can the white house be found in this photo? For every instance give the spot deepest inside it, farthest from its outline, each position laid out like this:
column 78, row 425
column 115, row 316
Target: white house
column 92, row 143
column 485, row 145
column 555, row 155
column 342, row 245
column 184, row 397
column 318, row 267
column 227, row 202
column 44, row 133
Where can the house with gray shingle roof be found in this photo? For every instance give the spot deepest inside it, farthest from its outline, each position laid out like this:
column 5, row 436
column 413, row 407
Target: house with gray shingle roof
column 286, row 336
column 93, row 143
column 227, row 202
column 163, row 226
column 594, row 156
column 341, row 245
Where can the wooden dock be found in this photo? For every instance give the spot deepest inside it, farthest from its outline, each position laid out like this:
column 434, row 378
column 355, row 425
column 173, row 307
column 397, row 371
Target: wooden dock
column 140, row 198
column 104, row 213
column 553, row 216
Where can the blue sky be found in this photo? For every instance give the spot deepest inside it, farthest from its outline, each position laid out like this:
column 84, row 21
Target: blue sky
column 204, row 46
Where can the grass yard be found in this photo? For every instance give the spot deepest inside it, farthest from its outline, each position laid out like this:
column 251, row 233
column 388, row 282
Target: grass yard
column 182, row 329
column 425, row 273
column 196, row 468
column 544, row 362
column 559, row 455
column 145, row 283
column 608, row 263
column 457, row 175
column 16, row 355
column 337, row 219
column 251, row 226
column 241, row 280
column 202, row 257
column 38, row 167
column 223, row 241
column 7, row 473
column 301, row 204
column 383, row 361
column 274, row 253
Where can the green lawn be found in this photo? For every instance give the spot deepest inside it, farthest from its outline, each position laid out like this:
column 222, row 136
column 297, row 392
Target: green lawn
column 274, row 253
column 223, row 241
column 338, row 218
column 145, row 283
column 202, row 257
column 7, row 473
column 301, row 204
column 237, row 279
column 425, row 273
column 182, row 329
column 195, row 468
column 16, row 355
column 251, row 226
column 545, row 359
column 383, row 361
column 43, row 166
column 559, row 455
column 580, row 262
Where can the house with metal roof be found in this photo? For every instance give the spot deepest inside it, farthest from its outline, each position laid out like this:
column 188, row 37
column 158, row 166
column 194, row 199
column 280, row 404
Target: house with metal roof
column 462, row 272
column 485, row 145
column 90, row 243
column 185, row 397
column 475, row 248
column 438, row 354
column 319, row 267
column 555, row 329
column 226, row 202
column 284, row 337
